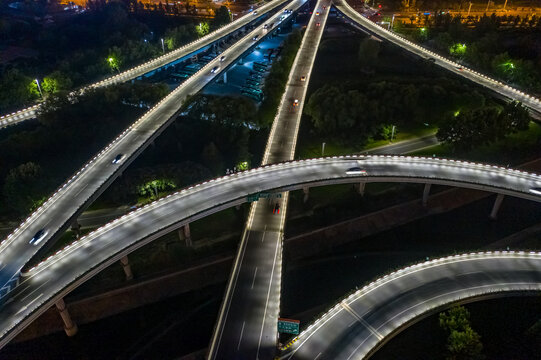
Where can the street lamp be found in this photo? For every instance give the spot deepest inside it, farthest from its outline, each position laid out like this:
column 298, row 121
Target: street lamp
column 39, row 88
column 163, row 47
column 392, row 22
column 322, row 149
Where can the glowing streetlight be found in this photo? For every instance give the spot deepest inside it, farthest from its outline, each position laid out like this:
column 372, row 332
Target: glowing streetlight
column 39, row 88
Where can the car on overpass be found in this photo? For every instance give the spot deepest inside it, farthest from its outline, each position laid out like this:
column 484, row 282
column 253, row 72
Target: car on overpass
column 40, row 235
column 117, row 158
column 355, row 171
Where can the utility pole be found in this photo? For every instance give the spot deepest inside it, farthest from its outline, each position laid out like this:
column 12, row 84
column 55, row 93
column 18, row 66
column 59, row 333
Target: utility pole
column 322, row 149
column 505, row 4
column 469, row 9
column 392, row 133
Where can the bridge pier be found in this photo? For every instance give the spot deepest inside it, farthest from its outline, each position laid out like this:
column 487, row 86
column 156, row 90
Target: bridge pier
column 76, row 228
column 360, row 188
column 306, row 191
column 70, row 327
column 426, row 193
column 127, row 268
column 225, row 77
column 184, row 234
column 496, row 206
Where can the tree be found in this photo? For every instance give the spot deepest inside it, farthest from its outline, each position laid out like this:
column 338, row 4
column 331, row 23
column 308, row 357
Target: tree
column 368, row 51
column 55, row 82
column 202, row 29
column 222, row 17
column 468, row 129
column 463, row 343
column 24, row 187
column 212, row 158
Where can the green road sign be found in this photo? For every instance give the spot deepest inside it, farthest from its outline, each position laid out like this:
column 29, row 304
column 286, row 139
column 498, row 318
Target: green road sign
column 288, row 326
column 263, row 195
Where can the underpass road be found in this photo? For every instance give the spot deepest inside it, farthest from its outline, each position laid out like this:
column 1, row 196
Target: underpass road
column 251, row 306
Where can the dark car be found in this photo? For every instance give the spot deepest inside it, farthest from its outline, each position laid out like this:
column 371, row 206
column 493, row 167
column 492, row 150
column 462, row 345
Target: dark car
column 40, row 235
column 117, row 158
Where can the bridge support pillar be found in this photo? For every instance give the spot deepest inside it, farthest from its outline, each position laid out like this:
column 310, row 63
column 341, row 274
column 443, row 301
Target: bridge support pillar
column 225, row 77
column 306, row 191
column 184, row 234
column 69, row 326
column 426, row 193
column 496, row 206
column 360, row 188
column 76, row 228
column 127, row 268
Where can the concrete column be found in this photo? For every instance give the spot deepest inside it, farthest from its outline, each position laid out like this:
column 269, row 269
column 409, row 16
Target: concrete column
column 426, row 192
column 225, row 77
column 360, row 188
column 69, row 326
column 184, row 234
column 76, row 228
column 306, row 191
column 496, row 206
column 127, row 268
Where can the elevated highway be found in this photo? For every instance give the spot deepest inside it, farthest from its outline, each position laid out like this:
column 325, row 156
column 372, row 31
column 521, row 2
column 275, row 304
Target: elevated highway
column 364, row 321
column 157, row 63
column 533, row 103
column 52, row 279
column 63, row 207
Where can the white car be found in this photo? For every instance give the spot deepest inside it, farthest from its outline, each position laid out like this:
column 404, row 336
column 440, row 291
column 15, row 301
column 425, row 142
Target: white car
column 214, row 69
column 355, row 171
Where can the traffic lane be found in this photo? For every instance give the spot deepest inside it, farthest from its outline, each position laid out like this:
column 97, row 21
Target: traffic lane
column 245, row 317
column 406, row 146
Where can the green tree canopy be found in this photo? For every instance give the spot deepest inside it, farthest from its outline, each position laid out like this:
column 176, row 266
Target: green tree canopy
column 24, row 187
column 222, row 17
column 463, row 343
column 368, row 51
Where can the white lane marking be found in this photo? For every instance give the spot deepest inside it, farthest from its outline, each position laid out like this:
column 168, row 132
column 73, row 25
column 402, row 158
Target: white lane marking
column 361, row 320
column 353, row 322
column 241, row 332
column 30, row 303
column 253, row 281
column 78, row 192
column 42, row 285
column 263, row 237
column 317, row 357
